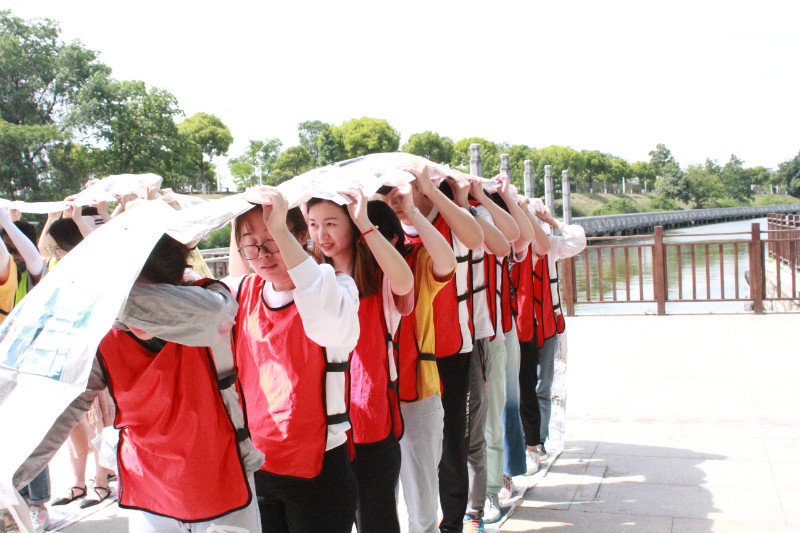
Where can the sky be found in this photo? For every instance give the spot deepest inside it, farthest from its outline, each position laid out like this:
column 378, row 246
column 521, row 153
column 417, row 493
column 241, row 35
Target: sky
column 706, row 78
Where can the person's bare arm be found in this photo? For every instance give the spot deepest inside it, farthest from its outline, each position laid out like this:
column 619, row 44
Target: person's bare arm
column 389, row 259
column 442, row 254
column 27, row 249
column 461, row 222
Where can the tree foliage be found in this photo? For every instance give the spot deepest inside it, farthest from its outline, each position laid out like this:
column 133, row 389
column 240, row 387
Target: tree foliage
column 205, row 136
column 40, row 79
column 134, row 129
column 293, row 162
column 704, row 183
column 254, row 167
column 431, row 146
column 362, row 136
column 789, row 174
column 313, row 134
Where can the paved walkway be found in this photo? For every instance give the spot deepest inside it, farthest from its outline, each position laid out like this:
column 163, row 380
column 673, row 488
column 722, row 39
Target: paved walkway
column 679, row 424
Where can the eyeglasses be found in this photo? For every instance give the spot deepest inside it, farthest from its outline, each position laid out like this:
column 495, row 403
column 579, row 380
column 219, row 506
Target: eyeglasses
column 54, row 251
column 252, row 251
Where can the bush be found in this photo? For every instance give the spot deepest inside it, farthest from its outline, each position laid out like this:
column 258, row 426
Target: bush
column 219, row 238
column 620, row 206
column 576, row 211
column 662, row 203
column 774, row 199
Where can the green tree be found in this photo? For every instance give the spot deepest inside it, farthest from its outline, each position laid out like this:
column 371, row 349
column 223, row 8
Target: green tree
column 736, row 180
column 660, row 158
column 789, row 174
column 644, row 171
column 134, row 129
column 362, row 136
column 517, row 155
column 311, row 133
column 596, row 165
column 206, row 137
column 70, row 166
column 293, row 162
column 431, row 146
column 40, row 78
column 255, row 165
column 704, row 183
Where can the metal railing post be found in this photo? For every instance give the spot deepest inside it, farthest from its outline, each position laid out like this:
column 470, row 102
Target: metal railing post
column 659, row 271
column 756, row 269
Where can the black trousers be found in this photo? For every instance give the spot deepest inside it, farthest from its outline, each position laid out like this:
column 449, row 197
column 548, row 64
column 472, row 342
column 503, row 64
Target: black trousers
column 296, row 505
column 528, row 401
column 453, row 475
column 377, row 469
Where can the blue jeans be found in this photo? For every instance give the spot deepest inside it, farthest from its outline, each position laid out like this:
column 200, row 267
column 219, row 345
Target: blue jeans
column 37, row 491
column 513, row 436
column 544, row 384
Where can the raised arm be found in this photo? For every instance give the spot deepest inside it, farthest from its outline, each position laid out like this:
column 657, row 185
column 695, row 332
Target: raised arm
column 509, row 196
column 541, row 244
column 389, row 259
column 461, row 222
column 495, row 240
column 27, row 249
column 444, row 259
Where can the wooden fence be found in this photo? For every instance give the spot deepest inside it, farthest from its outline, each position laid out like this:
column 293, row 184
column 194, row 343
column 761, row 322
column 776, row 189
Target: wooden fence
column 639, row 269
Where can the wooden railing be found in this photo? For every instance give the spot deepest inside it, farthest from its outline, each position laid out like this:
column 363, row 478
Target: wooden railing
column 785, row 250
column 217, row 261
column 640, row 269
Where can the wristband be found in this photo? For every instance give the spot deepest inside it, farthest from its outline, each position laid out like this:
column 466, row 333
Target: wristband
column 370, row 230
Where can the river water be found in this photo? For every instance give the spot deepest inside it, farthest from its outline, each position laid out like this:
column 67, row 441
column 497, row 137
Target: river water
column 731, row 279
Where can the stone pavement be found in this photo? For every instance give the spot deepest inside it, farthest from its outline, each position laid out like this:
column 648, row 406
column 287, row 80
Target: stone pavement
column 680, row 424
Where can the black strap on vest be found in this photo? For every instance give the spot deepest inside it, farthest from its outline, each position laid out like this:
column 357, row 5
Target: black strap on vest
column 242, row 434
column 337, row 367
column 465, row 296
column 338, row 419
column 463, row 258
column 227, row 382
column 424, row 356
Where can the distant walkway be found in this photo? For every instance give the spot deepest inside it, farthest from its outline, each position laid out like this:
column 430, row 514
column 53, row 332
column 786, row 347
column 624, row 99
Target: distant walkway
column 676, row 424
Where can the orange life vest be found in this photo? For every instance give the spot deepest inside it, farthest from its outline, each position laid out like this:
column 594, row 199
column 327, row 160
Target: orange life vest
column 283, row 376
column 177, row 449
column 546, row 301
column 522, row 278
column 374, row 410
column 500, row 290
column 453, row 304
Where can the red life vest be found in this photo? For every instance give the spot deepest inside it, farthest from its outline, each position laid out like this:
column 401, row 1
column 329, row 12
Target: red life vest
column 374, row 411
column 177, row 448
column 407, row 354
column 522, row 278
column 546, row 301
column 283, row 376
column 448, row 302
column 500, row 290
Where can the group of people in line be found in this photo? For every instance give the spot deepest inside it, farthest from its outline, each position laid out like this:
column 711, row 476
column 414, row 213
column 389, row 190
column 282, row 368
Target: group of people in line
column 406, row 339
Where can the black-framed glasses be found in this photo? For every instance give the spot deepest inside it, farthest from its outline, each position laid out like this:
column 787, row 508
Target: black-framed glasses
column 252, row 251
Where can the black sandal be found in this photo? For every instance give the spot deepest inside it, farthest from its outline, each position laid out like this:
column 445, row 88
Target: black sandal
column 87, row 502
column 72, row 496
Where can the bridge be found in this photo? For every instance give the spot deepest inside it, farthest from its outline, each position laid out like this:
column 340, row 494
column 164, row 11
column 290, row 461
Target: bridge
column 636, row 223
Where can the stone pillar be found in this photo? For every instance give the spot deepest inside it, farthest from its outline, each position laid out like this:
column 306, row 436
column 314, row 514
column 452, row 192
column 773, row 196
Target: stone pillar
column 623, row 184
column 565, row 198
column 475, row 166
column 504, row 168
column 529, row 188
column 549, row 199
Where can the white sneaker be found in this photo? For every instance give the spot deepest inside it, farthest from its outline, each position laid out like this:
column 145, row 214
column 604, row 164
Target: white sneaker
column 532, row 461
column 491, row 511
column 507, row 492
column 40, row 517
